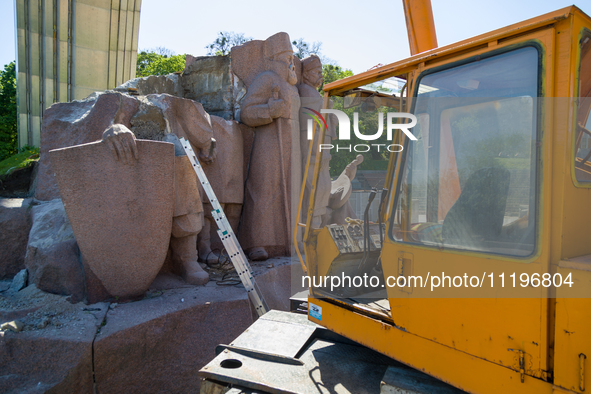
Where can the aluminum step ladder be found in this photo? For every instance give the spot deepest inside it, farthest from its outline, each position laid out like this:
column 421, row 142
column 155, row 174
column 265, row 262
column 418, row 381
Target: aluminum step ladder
column 228, row 237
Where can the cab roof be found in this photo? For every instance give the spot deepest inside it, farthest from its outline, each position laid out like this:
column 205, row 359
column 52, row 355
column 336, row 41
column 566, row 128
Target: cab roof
column 402, row 67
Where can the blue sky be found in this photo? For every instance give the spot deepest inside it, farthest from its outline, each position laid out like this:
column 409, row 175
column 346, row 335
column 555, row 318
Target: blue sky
column 357, row 35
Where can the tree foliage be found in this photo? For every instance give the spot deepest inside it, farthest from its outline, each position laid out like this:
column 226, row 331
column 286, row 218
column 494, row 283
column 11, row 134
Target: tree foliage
column 158, row 61
column 302, row 49
column 224, row 42
column 331, row 73
column 8, row 114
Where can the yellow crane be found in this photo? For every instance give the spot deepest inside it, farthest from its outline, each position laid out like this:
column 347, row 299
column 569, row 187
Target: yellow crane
column 479, row 252
column 501, row 117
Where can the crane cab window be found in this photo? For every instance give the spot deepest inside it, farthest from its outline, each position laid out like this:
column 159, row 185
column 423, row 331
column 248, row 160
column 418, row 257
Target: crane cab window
column 469, row 181
column 583, row 120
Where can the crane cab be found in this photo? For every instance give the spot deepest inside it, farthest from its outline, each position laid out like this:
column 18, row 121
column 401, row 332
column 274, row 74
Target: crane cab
column 479, row 238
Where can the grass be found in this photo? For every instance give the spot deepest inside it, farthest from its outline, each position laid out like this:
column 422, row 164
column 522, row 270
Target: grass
column 20, row 160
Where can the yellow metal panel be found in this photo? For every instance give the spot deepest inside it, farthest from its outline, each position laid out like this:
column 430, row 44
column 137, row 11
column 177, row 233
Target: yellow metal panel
column 22, row 128
column 36, row 130
column 91, row 77
column 106, row 4
column 63, row 21
column 573, row 323
column 577, row 210
column 92, row 27
column 420, row 25
column 81, row 92
column 473, row 325
column 484, row 328
column 457, row 368
column 327, row 252
column 128, row 40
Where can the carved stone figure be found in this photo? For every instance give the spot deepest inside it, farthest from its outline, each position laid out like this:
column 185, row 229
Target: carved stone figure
column 271, row 105
column 123, row 236
column 226, row 176
column 311, row 99
column 165, row 117
column 187, row 216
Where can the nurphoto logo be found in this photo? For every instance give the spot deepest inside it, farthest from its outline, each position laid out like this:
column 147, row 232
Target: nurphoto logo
column 344, row 132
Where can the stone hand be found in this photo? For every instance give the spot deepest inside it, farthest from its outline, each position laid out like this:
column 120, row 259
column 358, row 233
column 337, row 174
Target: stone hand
column 209, row 157
column 275, row 107
column 121, row 143
column 358, row 160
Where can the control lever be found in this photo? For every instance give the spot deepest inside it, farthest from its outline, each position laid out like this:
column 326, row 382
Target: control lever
column 382, row 200
column 366, row 237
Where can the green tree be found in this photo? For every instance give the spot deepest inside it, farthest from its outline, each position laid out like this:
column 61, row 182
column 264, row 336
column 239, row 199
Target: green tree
column 302, row 49
column 331, row 73
column 8, row 114
column 158, row 61
column 224, row 42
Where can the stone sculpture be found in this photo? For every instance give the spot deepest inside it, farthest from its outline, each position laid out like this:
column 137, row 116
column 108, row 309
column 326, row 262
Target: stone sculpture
column 122, row 236
column 179, row 118
column 226, row 176
column 271, row 106
column 161, row 118
column 312, row 100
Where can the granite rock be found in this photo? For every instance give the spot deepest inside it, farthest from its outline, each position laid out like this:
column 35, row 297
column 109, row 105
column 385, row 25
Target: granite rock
column 15, row 224
column 248, row 60
column 122, row 235
column 153, row 345
column 153, row 84
column 19, row 282
column 52, row 257
column 14, row 326
column 158, row 344
column 187, row 119
column 208, row 80
column 75, row 123
column 311, row 80
column 53, row 352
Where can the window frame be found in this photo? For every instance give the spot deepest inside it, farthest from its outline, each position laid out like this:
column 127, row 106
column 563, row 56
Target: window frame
column 539, row 121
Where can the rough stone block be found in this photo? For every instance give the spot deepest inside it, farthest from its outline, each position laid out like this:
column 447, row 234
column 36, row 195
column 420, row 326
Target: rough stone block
column 52, row 252
column 248, row 60
column 19, row 282
column 75, row 123
column 158, row 344
column 54, row 357
column 15, row 224
column 208, row 80
column 123, row 233
column 153, row 84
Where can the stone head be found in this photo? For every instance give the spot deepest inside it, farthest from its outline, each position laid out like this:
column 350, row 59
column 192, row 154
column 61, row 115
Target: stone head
column 279, row 57
column 312, row 71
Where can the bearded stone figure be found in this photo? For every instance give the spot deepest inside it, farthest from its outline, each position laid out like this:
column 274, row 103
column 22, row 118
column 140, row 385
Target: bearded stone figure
column 311, row 99
column 271, row 106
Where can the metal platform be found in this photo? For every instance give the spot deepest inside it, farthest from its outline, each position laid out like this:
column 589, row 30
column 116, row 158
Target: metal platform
column 285, row 353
